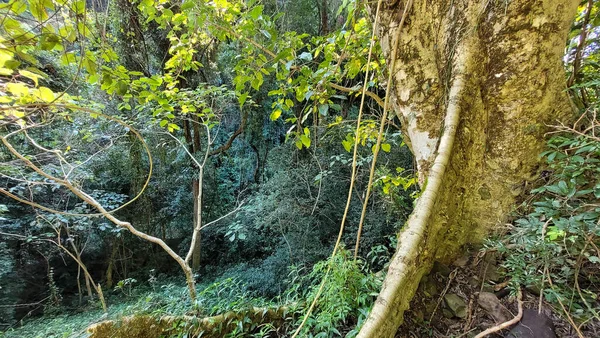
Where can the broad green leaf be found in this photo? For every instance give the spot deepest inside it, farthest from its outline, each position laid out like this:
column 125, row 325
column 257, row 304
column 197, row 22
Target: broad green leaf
column 305, row 140
column 386, row 147
column 32, row 76
column 347, row 145
column 242, row 98
column 46, row 94
column 38, row 10
column 256, row 12
column 18, row 7
column 323, row 109
column 6, row 71
column 49, row 41
column 275, row 114
column 17, row 89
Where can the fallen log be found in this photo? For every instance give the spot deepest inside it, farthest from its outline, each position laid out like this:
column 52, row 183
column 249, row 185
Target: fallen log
column 149, row 326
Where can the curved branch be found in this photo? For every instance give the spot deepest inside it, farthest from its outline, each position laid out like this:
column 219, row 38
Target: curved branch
column 237, row 133
column 61, row 181
column 366, row 92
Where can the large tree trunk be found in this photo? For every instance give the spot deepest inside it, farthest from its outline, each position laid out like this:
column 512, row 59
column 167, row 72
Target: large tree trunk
column 495, row 66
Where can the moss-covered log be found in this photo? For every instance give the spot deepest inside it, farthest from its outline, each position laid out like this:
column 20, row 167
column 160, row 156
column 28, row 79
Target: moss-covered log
column 147, row 326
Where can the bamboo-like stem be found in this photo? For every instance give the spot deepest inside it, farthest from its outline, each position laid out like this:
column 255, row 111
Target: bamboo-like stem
column 381, row 126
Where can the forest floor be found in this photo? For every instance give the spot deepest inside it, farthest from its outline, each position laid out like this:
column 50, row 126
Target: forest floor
column 471, row 296
column 453, row 301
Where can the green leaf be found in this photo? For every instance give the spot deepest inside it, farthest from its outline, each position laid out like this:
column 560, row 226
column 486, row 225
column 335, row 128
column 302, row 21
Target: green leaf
column 49, row 41
column 305, row 140
column 79, row 7
column 18, row 7
column 386, row 147
column 187, row 5
column 46, row 94
column 256, row 12
column 242, row 98
column 275, row 114
column 323, row 109
column 38, row 10
column 32, row 76
column 564, row 189
column 17, row 89
column 347, row 145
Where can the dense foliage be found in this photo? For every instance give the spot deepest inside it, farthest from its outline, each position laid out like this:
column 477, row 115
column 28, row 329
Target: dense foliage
column 133, row 106
column 234, row 123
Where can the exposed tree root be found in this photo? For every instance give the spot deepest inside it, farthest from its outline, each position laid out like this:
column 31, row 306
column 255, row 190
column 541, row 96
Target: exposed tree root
column 405, row 271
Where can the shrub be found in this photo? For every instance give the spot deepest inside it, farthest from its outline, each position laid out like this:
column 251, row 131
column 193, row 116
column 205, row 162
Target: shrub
column 346, row 297
column 554, row 245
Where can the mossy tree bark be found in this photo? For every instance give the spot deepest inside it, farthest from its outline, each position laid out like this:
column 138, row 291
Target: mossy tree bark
column 495, row 66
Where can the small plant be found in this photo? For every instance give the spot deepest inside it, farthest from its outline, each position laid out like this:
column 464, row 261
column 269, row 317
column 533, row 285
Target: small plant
column 126, row 285
column 55, row 298
column 152, row 280
column 380, row 254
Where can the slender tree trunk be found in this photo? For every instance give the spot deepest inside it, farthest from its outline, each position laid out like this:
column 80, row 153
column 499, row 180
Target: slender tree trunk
column 324, row 18
column 79, row 285
column 111, row 264
column 197, row 221
column 257, row 169
column 475, row 84
column 79, row 260
column 143, row 205
column 197, row 190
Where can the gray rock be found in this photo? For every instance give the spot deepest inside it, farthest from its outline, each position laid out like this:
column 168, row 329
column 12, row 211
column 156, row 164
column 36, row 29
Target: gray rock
column 533, row 325
column 447, row 313
column 457, row 305
column 491, row 304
